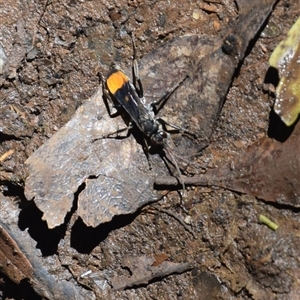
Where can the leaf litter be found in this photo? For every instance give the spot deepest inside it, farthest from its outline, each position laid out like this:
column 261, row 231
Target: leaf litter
column 112, row 175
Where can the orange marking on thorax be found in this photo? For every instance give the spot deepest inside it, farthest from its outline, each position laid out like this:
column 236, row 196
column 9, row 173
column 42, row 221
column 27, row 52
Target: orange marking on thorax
column 115, row 81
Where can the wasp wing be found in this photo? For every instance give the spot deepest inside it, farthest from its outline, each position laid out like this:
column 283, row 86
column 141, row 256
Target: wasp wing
column 130, row 101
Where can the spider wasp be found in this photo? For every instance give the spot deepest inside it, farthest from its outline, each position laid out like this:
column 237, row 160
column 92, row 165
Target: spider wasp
column 118, row 88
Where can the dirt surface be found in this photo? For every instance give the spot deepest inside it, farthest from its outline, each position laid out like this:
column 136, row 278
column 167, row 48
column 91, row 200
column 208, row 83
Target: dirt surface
column 52, row 53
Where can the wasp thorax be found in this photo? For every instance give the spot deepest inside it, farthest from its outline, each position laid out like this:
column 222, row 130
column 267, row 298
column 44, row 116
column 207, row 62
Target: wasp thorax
column 149, row 127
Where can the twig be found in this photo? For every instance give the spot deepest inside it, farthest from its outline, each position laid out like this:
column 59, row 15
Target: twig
column 201, row 180
column 263, row 219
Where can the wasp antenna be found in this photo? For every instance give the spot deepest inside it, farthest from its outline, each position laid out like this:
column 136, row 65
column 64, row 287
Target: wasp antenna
column 177, row 168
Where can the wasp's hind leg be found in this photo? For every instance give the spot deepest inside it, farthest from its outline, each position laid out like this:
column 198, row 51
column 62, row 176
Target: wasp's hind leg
column 159, row 104
column 115, row 134
column 135, row 71
column 113, row 111
column 111, row 107
column 177, row 128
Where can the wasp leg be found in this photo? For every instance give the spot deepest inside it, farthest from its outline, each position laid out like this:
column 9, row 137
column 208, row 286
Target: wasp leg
column 111, row 107
column 135, row 71
column 159, row 104
column 176, row 127
column 111, row 135
column 146, row 149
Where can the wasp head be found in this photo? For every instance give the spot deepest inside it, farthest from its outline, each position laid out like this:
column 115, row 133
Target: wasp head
column 160, row 138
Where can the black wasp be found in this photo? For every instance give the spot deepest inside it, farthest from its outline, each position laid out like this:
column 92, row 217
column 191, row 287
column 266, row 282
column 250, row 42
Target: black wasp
column 131, row 97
